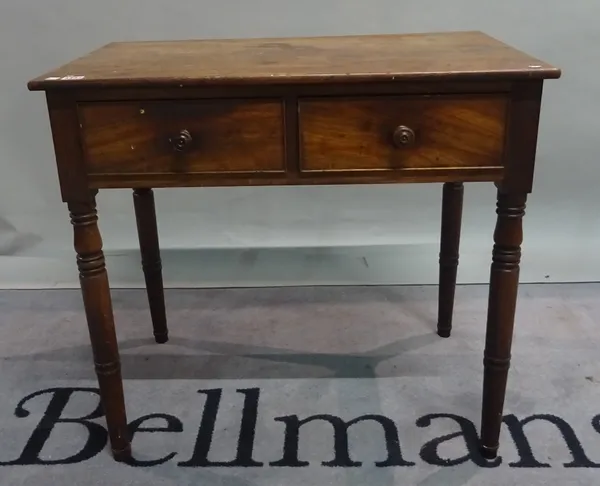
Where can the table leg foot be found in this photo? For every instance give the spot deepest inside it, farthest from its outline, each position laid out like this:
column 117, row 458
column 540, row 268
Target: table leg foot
column 122, row 455
column 161, row 338
column 489, row 453
column 445, row 333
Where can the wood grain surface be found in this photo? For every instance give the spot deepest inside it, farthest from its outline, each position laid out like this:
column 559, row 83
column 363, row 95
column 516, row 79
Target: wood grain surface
column 451, row 55
column 139, row 137
column 357, row 134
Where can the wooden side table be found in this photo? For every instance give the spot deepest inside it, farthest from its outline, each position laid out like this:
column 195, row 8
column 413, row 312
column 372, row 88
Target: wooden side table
column 443, row 107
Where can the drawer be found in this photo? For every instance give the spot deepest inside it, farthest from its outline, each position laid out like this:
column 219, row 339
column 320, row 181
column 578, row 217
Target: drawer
column 210, row 136
column 395, row 133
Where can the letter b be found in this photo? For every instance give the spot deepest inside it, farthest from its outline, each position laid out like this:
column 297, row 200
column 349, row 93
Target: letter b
column 97, row 435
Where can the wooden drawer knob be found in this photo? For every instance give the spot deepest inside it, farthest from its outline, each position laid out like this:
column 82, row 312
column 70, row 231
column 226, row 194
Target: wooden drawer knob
column 182, row 141
column 404, row 137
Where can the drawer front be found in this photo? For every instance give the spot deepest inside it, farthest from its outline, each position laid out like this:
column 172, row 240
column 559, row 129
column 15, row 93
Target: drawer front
column 169, row 137
column 395, row 133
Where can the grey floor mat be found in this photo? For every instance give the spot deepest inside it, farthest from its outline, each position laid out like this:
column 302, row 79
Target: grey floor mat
column 332, row 354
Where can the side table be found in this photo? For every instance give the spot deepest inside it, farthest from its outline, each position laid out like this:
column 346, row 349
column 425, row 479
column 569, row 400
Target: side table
column 442, row 107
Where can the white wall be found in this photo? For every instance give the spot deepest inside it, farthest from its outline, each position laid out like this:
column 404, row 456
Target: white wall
column 357, row 234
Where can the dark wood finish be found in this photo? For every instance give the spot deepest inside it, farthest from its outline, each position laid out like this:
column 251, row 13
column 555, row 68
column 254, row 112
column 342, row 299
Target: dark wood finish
column 271, row 91
column 292, row 156
column 99, row 313
column 521, row 140
column 145, row 215
column 441, row 174
column 446, row 107
column 358, row 134
column 64, row 124
column 452, row 203
column 504, row 281
column 215, row 136
column 447, row 55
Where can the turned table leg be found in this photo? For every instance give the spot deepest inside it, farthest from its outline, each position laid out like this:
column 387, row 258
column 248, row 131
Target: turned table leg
column 145, row 214
column 504, row 280
column 99, row 313
column 452, row 202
